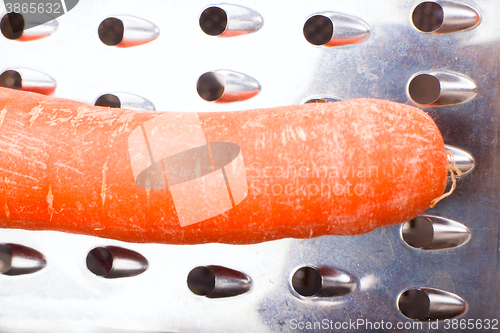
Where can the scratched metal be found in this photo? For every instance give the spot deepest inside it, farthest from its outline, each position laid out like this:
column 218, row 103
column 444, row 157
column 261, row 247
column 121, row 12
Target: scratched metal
column 66, row 297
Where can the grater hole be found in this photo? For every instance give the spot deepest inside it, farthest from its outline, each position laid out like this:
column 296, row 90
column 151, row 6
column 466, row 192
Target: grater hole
column 318, row 30
column 111, row 31
column 108, row 100
column 201, row 281
column 418, row 232
column 5, row 258
column 321, row 100
column 100, row 261
column 11, row 79
column 113, row 262
column 316, row 100
column 12, row 25
column 210, row 86
column 213, row 21
column 16, row 259
column 414, row 304
column 306, row 281
column 424, row 89
column 428, row 16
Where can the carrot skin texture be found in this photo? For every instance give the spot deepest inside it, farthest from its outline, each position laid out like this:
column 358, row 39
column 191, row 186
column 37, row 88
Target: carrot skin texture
column 341, row 168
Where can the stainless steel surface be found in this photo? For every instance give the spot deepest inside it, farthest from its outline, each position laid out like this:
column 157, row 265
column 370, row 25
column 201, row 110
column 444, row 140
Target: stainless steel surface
column 66, row 297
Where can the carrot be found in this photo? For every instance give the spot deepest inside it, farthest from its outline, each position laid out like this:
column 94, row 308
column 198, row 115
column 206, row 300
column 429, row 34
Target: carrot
column 243, row 177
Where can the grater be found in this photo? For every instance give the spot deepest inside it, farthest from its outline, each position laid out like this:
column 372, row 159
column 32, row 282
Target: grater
column 263, row 59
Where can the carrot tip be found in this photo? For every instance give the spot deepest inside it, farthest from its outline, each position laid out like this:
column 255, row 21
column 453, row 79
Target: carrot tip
column 452, row 169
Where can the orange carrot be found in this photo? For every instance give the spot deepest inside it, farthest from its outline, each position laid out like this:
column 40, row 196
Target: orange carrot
column 243, row 177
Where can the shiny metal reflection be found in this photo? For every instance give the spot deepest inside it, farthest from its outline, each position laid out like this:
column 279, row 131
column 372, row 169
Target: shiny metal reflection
column 323, row 281
column 456, row 17
column 453, row 88
column 131, row 101
column 335, row 282
column 444, row 304
column 116, row 262
column 346, row 29
column 231, row 86
column 32, row 80
column 430, row 232
column 40, row 31
column 230, row 21
column 136, row 31
column 463, row 160
column 229, row 282
column 217, row 281
column 17, row 259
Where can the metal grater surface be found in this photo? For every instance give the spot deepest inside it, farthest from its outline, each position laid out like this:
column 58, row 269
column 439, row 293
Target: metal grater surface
column 66, row 297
